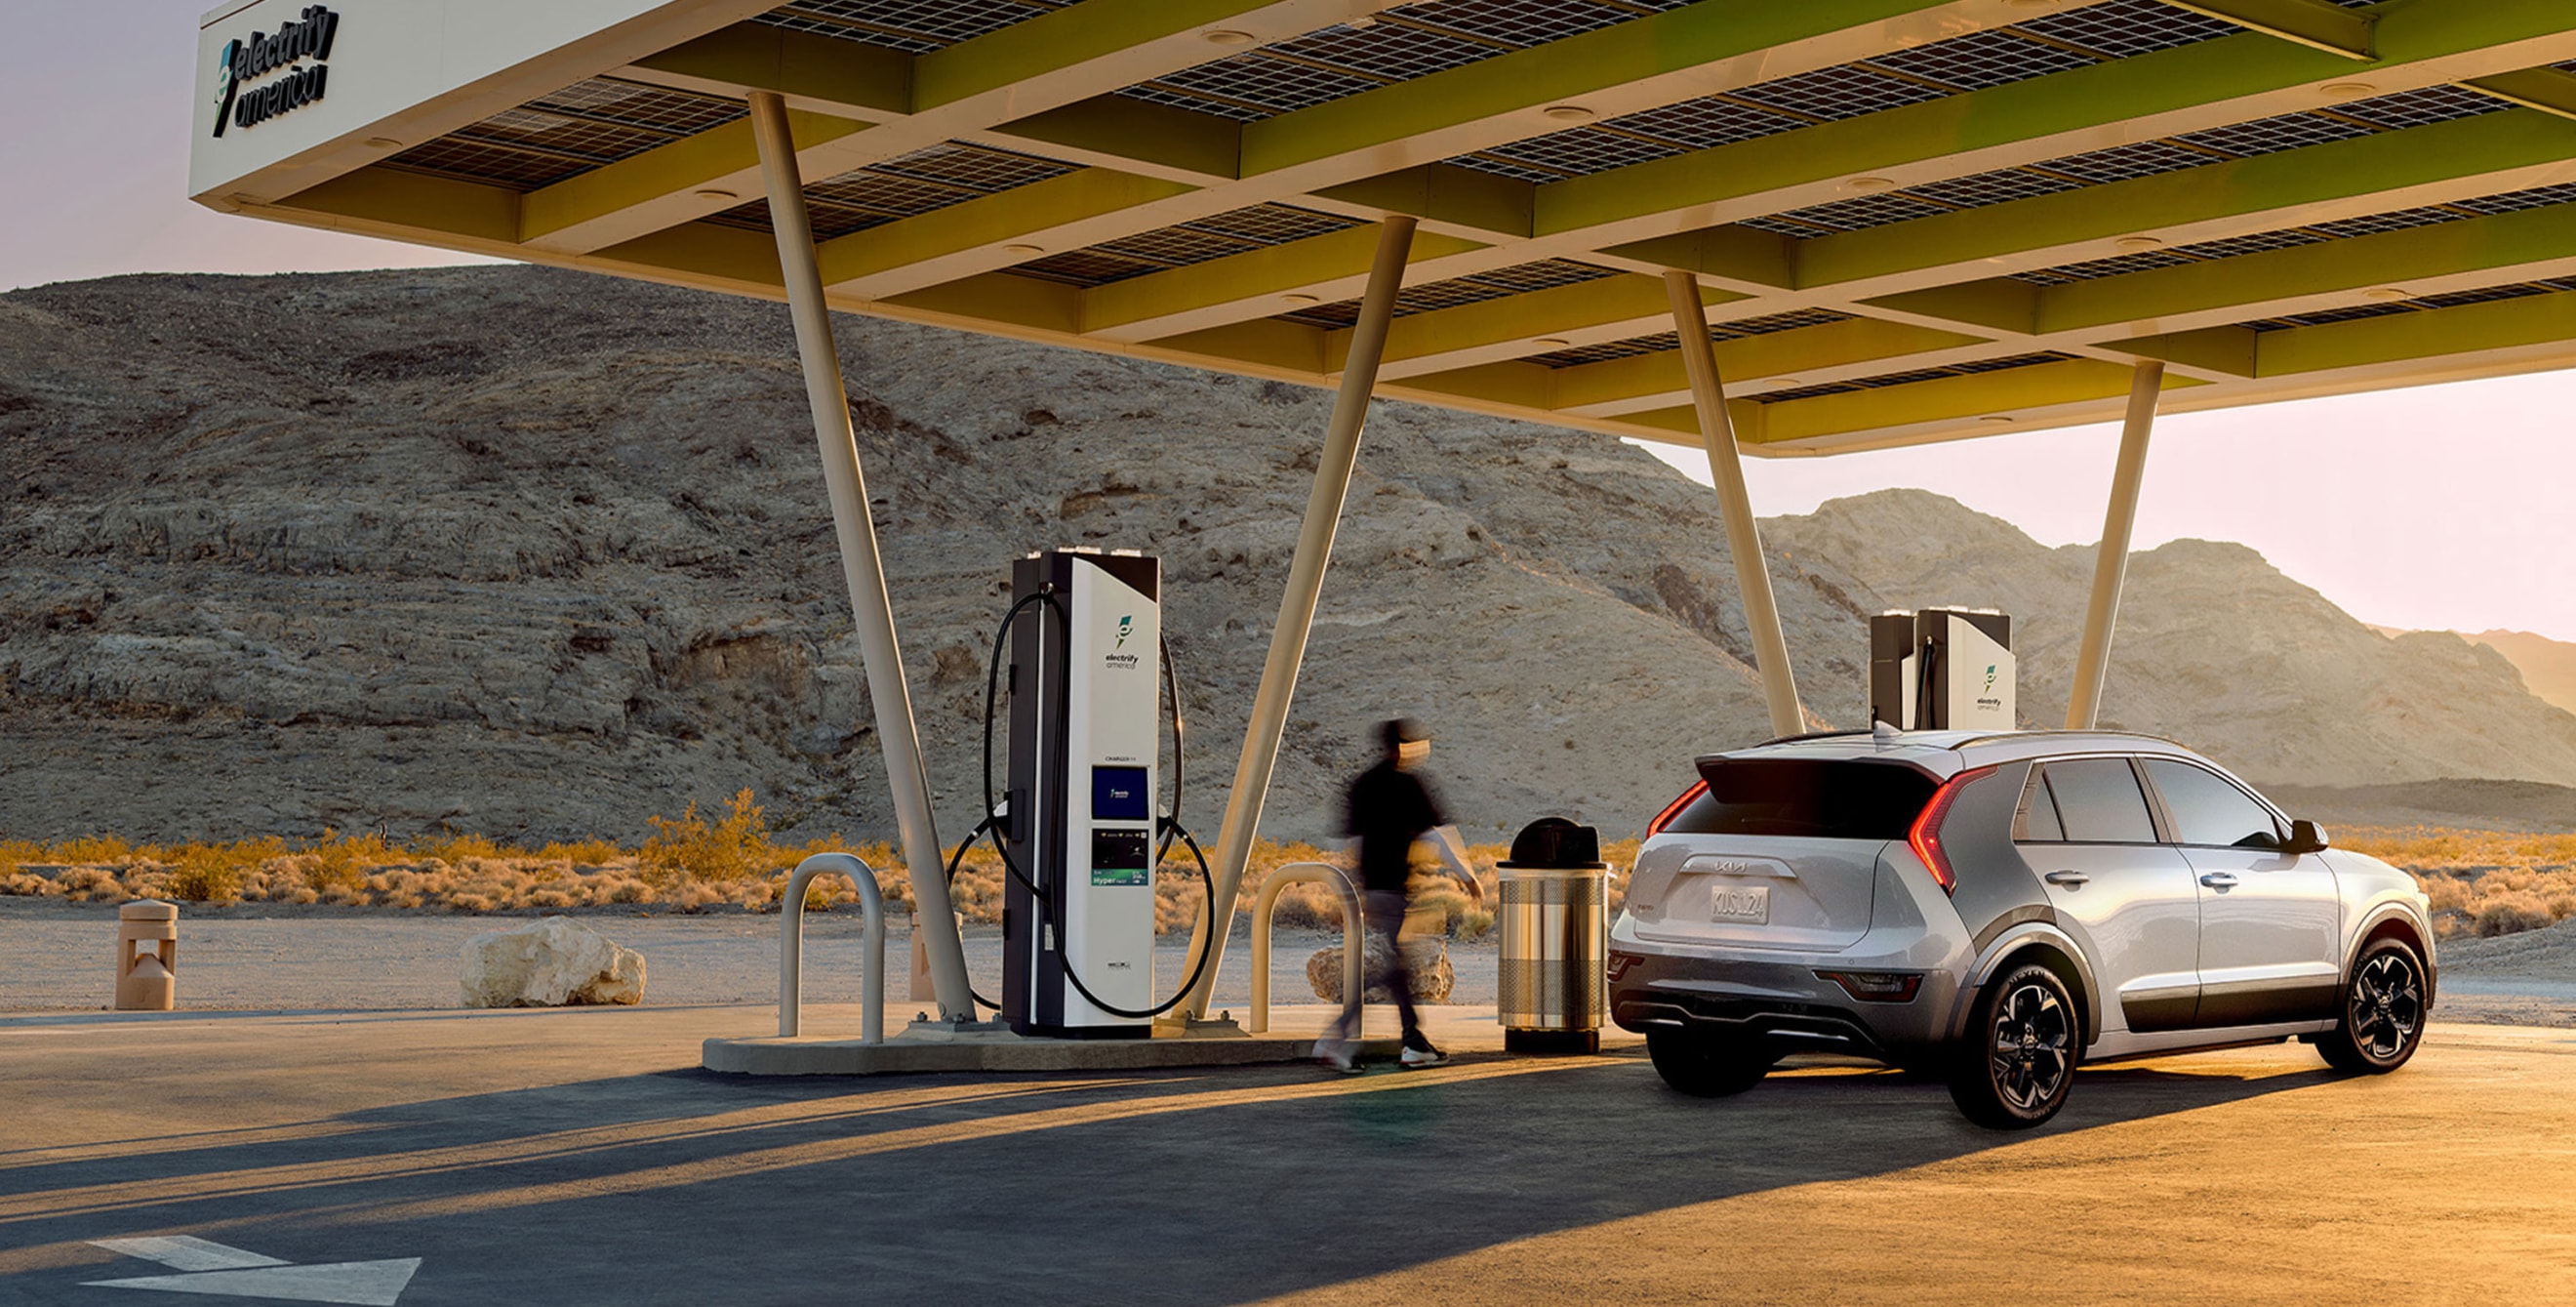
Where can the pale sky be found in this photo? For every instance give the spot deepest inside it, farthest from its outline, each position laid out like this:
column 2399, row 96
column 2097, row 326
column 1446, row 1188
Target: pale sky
column 2434, row 507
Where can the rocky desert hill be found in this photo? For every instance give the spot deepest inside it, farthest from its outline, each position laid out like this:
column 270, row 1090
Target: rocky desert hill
column 531, row 553
column 2215, row 648
column 2548, row 666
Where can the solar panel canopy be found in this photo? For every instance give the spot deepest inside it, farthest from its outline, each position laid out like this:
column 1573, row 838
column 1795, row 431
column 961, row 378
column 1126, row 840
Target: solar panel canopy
column 1909, row 220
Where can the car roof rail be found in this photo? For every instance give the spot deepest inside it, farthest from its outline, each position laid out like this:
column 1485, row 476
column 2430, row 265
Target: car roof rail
column 2004, row 737
column 1810, row 735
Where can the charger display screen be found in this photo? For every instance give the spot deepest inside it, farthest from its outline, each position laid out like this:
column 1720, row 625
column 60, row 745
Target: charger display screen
column 1121, row 857
column 1119, row 794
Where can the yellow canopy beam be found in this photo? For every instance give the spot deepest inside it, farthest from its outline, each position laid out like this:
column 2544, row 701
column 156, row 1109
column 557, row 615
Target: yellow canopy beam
column 2317, row 24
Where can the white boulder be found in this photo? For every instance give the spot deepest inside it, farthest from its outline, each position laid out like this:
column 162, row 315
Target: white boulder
column 555, row 962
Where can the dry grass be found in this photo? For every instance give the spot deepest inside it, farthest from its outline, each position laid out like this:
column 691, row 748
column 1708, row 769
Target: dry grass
column 688, row 863
column 2481, row 882
column 691, row 865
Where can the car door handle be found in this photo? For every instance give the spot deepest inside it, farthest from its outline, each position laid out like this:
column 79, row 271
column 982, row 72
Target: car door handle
column 2070, row 879
column 2219, row 880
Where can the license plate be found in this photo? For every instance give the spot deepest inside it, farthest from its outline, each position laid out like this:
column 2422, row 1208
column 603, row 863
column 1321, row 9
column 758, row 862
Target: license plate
column 1748, row 905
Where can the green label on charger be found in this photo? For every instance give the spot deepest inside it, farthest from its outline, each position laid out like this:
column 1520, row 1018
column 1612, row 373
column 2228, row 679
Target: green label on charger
column 1119, row 876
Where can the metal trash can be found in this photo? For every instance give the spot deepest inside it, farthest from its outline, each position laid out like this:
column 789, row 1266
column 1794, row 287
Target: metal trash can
column 1550, row 993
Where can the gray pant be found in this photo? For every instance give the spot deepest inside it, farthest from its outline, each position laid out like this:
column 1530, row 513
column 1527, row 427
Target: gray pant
column 1382, row 915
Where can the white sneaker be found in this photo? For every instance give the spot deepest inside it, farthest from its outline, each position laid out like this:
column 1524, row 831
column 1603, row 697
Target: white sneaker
column 1415, row 1058
column 1335, row 1054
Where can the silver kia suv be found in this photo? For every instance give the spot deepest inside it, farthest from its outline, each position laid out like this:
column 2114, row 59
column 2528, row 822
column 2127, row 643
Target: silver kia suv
column 1996, row 908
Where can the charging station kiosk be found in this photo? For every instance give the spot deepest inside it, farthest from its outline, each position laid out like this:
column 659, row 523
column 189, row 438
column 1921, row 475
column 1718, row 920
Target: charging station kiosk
column 1942, row 669
column 1079, row 820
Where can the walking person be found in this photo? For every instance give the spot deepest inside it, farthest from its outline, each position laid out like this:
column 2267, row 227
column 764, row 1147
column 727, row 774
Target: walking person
column 1390, row 806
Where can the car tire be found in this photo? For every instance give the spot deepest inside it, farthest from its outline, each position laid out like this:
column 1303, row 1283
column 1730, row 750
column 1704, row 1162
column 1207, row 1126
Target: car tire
column 2381, row 1019
column 2017, row 1064
column 1706, row 1066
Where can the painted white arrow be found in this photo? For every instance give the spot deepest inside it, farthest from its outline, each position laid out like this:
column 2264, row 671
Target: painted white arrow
column 214, row 1268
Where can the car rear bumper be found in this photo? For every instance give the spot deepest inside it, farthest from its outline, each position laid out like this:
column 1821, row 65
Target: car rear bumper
column 1784, row 1001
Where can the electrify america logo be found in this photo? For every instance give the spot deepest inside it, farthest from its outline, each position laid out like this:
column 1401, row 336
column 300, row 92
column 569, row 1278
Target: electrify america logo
column 1123, row 661
column 238, row 104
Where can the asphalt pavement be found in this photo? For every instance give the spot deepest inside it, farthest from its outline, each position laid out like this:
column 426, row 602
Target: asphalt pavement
column 581, row 1157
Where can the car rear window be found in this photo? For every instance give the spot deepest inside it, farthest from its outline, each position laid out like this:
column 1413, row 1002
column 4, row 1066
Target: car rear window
column 1819, row 799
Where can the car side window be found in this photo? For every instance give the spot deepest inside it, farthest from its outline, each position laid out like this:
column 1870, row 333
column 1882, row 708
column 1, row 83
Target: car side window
column 2099, row 802
column 2209, row 809
column 2035, row 822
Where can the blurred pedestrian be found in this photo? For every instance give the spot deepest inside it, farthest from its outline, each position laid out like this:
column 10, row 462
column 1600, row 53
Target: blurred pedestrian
column 1389, row 807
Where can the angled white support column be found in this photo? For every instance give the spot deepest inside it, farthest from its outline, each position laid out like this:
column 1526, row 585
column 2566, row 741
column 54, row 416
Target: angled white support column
column 861, row 565
column 2111, row 565
column 1333, row 466
column 1743, row 538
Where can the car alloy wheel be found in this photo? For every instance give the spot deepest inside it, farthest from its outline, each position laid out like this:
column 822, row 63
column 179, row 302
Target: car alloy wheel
column 2383, row 1011
column 2019, row 1062
column 2029, row 1055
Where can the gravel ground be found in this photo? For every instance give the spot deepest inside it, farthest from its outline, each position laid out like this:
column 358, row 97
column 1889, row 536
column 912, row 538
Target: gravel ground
column 56, row 956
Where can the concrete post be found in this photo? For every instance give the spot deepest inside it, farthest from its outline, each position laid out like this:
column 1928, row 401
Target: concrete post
column 2111, row 564
column 1333, row 467
column 147, row 956
column 1743, row 538
column 861, row 565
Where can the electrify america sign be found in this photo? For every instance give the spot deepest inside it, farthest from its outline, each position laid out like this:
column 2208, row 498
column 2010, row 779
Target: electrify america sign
column 302, row 47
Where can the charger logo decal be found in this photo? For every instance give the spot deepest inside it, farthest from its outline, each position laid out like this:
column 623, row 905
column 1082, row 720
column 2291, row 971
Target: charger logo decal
column 1990, row 679
column 226, row 85
column 1126, row 626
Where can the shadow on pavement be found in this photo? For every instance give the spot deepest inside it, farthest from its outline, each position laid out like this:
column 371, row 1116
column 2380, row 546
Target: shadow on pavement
column 1175, row 1187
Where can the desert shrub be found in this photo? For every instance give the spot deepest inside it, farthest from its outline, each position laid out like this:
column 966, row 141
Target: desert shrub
column 2511, row 913
column 81, row 884
column 22, row 884
column 2448, row 893
column 16, row 854
column 338, row 861
column 699, row 895
column 211, row 873
column 1462, row 917
column 96, row 851
column 453, row 848
column 981, row 888
column 582, row 853
column 474, row 903
column 627, row 889
column 205, row 881
column 550, row 898
column 736, row 845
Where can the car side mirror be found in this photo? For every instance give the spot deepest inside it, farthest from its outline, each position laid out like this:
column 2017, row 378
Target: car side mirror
column 2305, row 837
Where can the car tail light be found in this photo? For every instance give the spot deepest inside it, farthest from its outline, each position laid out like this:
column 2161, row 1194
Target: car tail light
column 1877, row 986
column 1925, row 837
column 1674, row 808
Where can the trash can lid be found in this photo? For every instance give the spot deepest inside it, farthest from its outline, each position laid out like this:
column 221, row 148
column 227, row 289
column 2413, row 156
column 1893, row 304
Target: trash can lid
column 1555, row 843
column 149, row 910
